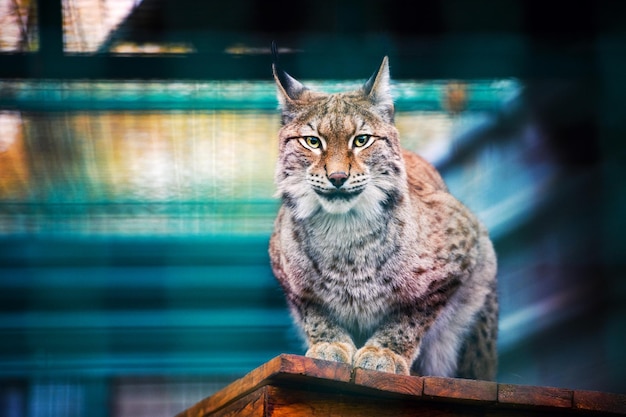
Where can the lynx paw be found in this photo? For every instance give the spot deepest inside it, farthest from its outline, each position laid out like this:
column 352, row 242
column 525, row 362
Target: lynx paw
column 381, row 359
column 332, row 351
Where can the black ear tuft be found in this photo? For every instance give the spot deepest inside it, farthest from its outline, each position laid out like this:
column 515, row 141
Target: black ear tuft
column 274, row 54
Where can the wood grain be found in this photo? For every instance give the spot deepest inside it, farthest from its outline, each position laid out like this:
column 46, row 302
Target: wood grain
column 600, row 401
column 251, row 405
column 280, row 366
column 461, row 390
column 314, row 368
column 236, row 389
column 399, row 384
column 286, row 402
column 529, row 396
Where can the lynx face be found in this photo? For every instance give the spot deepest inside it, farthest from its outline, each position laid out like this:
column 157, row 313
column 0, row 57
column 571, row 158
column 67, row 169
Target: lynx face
column 339, row 152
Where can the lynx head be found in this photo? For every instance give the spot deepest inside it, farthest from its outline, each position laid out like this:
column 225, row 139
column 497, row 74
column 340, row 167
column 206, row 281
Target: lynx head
column 339, row 153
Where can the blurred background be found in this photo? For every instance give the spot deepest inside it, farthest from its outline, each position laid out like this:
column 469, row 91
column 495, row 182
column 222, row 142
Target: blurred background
column 137, row 149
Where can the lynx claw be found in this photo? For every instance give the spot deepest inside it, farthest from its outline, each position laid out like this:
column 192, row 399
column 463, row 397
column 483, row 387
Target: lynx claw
column 332, row 351
column 380, row 359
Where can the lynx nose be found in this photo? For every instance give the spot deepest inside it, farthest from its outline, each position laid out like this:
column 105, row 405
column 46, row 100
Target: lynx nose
column 338, row 178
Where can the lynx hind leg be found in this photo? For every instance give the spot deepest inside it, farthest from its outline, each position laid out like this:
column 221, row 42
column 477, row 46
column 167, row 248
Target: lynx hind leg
column 332, row 351
column 478, row 357
column 462, row 341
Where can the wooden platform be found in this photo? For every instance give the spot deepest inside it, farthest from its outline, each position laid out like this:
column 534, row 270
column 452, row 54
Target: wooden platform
column 291, row 385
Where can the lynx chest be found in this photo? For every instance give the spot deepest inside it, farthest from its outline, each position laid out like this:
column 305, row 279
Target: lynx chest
column 352, row 269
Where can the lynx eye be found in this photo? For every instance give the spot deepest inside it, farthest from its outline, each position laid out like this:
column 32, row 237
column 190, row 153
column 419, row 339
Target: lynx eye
column 361, row 140
column 311, row 142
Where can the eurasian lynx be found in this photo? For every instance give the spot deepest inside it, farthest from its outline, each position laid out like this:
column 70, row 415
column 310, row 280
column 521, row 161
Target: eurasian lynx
column 382, row 268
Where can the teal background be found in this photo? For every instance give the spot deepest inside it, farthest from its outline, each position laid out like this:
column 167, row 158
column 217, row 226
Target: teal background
column 136, row 193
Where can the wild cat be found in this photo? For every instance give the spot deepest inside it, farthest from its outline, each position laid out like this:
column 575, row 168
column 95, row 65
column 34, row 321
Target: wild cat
column 381, row 266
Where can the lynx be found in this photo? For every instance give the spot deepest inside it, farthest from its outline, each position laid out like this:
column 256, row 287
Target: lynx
column 381, row 266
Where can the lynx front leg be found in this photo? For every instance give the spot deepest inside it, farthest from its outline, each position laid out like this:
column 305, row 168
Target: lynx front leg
column 392, row 348
column 327, row 340
column 381, row 359
column 332, row 351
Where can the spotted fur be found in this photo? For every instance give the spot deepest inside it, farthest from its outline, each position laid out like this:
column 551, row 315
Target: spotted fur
column 381, row 266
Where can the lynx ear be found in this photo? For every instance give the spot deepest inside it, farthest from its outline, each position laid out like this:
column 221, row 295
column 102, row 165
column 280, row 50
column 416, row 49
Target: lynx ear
column 289, row 89
column 378, row 90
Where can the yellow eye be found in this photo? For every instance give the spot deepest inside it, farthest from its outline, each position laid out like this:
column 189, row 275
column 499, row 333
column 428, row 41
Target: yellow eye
column 361, row 140
column 313, row 142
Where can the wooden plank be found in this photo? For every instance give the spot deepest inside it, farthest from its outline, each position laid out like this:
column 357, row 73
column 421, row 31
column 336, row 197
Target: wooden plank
column 600, row 401
column 398, row 384
column 251, row 405
column 282, row 401
column 510, row 411
column 291, row 385
column 281, row 366
column 236, row 389
column 461, row 390
column 530, row 396
column 292, row 402
column 314, row 368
